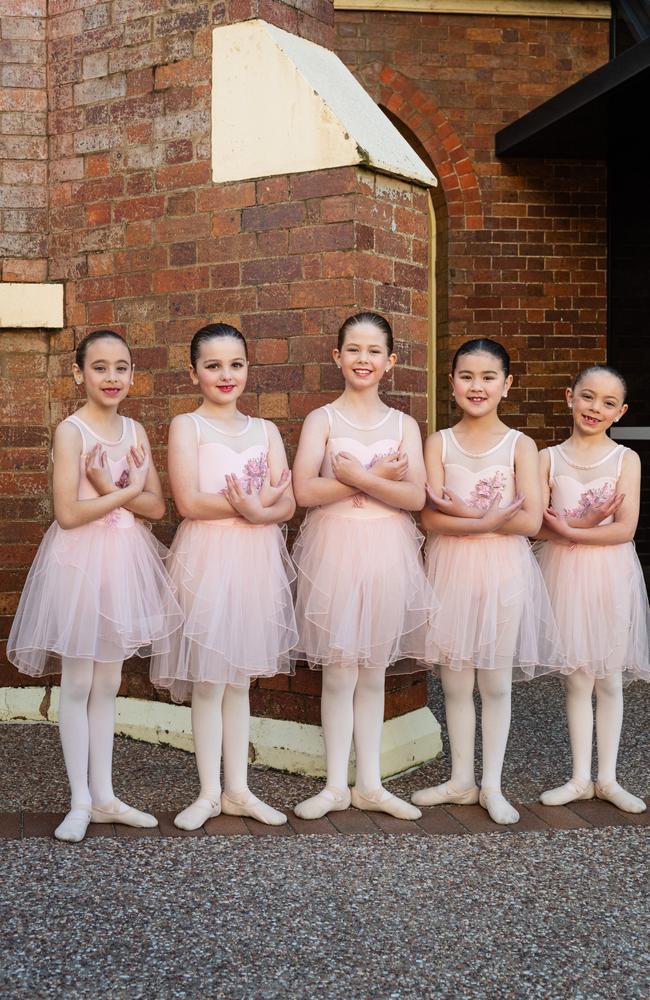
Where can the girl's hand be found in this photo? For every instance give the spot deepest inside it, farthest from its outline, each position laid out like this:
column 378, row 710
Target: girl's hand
column 450, row 503
column 592, row 517
column 138, row 462
column 558, row 525
column 98, row 472
column 393, row 466
column 269, row 495
column 248, row 505
column 348, row 469
column 495, row 517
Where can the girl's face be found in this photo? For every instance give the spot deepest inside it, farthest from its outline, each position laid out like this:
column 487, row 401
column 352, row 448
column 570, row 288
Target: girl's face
column 221, row 370
column 597, row 402
column 479, row 383
column 364, row 357
column 107, row 372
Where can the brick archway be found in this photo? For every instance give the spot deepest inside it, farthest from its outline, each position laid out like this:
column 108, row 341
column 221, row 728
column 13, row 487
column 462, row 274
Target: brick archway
column 420, row 113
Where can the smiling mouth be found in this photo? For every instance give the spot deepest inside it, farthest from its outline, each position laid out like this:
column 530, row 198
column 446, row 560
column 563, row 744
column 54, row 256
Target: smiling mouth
column 590, row 420
column 112, row 391
column 225, row 388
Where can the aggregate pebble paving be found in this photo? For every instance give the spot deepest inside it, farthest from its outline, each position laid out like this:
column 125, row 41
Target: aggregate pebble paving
column 559, row 915
column 163, row 778
column 555, row 916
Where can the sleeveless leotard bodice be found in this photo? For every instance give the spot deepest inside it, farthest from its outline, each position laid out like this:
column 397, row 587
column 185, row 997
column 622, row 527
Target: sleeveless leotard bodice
column 369, row 445
column 116, row 452
column 576, row 488
column 479, row 478
column 597, row 591
column 233, row 577
column 98, row 591
column 244, row 454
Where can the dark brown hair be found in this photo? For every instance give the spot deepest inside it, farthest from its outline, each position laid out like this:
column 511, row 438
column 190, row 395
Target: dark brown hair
column 366, row 317
column 82, row 346
column 209, row 332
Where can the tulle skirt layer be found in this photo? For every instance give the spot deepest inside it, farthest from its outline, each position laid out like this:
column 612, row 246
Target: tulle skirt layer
column 98, row 592
column 599, row 597
column 234, row 585
column 362, row 597
column 494, row 609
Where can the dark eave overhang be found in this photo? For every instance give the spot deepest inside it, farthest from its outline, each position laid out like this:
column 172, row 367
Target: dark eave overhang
column 606, row 109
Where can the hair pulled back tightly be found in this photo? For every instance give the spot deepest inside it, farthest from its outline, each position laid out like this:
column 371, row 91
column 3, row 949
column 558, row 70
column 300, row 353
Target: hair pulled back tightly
column 210, row 332
column 82, row 347
column 595, row 369
column 483, row 345
column 366, row 317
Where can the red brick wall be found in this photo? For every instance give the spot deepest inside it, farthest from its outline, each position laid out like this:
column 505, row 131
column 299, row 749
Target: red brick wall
column 23, row 140
column 526, row 250
column 24, row 503
column 146, row 244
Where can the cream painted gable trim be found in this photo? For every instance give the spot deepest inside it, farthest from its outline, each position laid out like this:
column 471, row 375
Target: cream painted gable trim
column 511, row 8
column 30, row 305
column 282, row 105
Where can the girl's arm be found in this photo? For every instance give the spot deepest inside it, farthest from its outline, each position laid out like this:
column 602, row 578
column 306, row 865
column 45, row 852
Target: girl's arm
column 310, row 488
column 546, row 532
column 69, row 511
column 625, row 519
column 150, row 502
column 528, row 519
column 405, row 494
column 251, row 505
column 183, row 459
column 441, row 523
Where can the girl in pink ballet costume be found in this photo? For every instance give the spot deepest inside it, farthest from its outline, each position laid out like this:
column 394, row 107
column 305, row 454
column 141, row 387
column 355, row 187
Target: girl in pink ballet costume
column 362, row 598
column 595, row 581
column 97, row 591
column 494, row 617
column 231, row 483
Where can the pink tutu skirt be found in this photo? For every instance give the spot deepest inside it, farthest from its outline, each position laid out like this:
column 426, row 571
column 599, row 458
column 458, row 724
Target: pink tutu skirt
column 98, row 592
column 234, row 583
column 362, row 599
column 494, row 609
column 600, row 602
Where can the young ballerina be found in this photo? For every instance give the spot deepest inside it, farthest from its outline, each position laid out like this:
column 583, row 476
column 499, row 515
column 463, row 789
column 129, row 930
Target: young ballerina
column 595, row 581
column 494, row 614
column 231, row 483
column 97, row 591
column 362, row 599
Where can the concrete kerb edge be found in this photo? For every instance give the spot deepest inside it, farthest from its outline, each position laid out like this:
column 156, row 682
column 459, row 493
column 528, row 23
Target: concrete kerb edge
column 407, row 741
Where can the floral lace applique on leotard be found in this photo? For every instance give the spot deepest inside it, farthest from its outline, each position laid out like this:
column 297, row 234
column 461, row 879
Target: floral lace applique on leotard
column 485, row 490
column 359, row 499
column 113, row 516
column 591, row 498
column 253, row 474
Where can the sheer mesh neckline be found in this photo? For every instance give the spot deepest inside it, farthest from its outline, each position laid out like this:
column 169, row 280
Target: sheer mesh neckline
column 479, row 454
column 594, row 465
column 359, row 427
column 220, row 430
column 73, row 417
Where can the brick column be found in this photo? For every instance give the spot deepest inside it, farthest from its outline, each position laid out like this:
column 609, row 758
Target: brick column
column 146, row 243
column 24, row 418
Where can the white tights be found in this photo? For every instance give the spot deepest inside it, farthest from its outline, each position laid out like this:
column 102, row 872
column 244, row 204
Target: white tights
column 220, row 727
column 495, row 689
column 352, row 707
column 220, row 724
column 579, row 688
column 86, row 727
